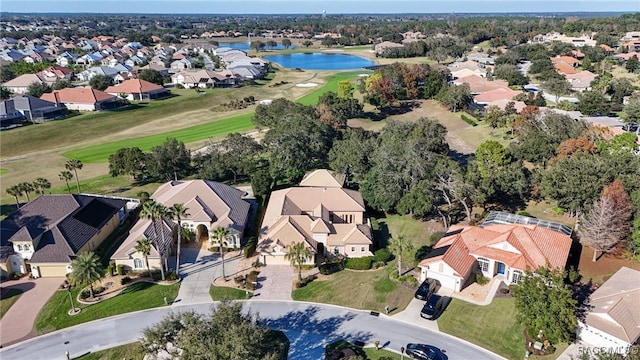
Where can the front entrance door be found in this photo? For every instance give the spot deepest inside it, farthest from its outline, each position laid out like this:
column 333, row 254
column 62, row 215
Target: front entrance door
column 500, row 268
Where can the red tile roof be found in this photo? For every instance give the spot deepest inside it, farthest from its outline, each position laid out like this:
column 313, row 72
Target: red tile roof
column 496, row 94
column 134, row 86
column 564, row 68
column 518, row 246
column 77, row 95
column 564, row 59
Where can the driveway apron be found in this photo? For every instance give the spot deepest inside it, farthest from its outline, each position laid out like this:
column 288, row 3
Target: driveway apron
column 17, row 324
column 198, row 269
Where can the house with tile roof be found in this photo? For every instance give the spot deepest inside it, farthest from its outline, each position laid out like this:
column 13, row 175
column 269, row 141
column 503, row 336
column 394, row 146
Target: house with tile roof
column 329, row 219
column 495, row 95
column 613, row 321
column 137, row 89
column 29, row 108
column 503, row 248
column 479, row 85
column 83, row 99
column 47, row 233
column 209, row 205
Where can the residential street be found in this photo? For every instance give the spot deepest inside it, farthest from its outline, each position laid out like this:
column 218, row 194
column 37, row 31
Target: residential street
column 308, row 326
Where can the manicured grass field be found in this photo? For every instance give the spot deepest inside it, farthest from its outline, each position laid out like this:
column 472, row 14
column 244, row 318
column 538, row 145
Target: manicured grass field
column 219, row 293
column 366, row 290
column 131, row 351
column 2, row 171
column 492, row 327
column 418, row 231
column 139, row 296
column 100, row 153
column 331, row 85
column 8, row 298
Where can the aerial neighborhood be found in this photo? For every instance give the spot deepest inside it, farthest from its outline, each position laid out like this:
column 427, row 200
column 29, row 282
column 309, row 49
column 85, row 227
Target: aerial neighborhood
column 452, row 185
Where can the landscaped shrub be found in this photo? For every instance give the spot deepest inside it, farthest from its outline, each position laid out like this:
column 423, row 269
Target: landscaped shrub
column 468, row 120
column 111, row 268
column 120, row 269
column 382, row 255
column 524, row 213
column 481, row 280
column 84, row 294
column 557, row 211
column 172, row 276
column 363, row 263
column 253, row 276
column 239, row 280
column 306, row 280
column 250, row 249
column 329, row 268
column 125, row 280
column 98, row 290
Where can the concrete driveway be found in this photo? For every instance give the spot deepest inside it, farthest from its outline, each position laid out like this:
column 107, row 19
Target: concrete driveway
column 198, row 269
column 274, row 283
column 17, row 324
column 411, row 314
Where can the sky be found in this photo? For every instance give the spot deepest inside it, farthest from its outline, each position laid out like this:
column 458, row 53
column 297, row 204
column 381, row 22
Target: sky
column 314, row 6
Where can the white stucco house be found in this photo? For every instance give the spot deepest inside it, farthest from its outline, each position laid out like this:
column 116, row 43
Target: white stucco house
column 503, row 246
column 613, row 323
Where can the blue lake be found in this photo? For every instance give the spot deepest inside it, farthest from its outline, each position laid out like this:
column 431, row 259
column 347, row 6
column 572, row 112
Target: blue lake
column 245, row 45
column 319, row 61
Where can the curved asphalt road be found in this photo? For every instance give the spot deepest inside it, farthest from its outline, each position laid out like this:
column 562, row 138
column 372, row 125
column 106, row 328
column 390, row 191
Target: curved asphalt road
column 308, row 326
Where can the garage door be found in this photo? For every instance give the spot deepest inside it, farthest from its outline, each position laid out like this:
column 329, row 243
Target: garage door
column 274, row 260
column 52, row 271
column 445, row 281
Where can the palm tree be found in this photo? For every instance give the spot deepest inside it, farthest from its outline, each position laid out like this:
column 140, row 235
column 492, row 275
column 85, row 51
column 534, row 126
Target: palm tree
column 15, row 191
column 85, row 270
column 178, row 212
column 143, row 246
column 40, row 184
column 221, row 234
column 399, row 246
column 66, row 175
column 26, row 188
column 75, row 165
column 154, row 211
column 297, row 255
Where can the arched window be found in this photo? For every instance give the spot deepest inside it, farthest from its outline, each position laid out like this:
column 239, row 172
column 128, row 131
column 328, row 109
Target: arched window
column 336, row 250
column 137, row 263
column 517, row 276
column 483, row 264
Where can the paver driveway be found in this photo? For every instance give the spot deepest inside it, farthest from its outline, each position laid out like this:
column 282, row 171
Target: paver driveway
column 17, row 323
column 274, row 283
column 198, row 269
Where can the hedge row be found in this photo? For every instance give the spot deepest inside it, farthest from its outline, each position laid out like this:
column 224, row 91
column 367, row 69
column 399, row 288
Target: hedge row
column 363, row 263
column 466, row 119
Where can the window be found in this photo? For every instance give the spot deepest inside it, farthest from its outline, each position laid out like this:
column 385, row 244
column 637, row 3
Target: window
column 19, row 247
column 362, row 249
column 336, row 250
column 517, row 276
column 483, row 264
column 26, row 247
column 137, row 263
column 353, row 249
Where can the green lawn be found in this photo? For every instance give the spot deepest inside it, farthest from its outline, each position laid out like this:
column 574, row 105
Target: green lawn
column 100, row 153
column 418, row 231
column 2, row 171
column 139, row 296
column 492, row 327
column 131, row 351
column 366, row 290
column 8, row 299
column 219, row 293
column 373, row 354
column 331, row 85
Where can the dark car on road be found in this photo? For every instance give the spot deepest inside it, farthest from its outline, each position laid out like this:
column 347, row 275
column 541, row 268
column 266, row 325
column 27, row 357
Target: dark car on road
column 423, row 352
column 432, row 307
column 426, row 289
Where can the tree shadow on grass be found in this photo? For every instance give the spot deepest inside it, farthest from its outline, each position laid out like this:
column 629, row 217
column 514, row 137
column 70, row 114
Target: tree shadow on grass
column 309, row 332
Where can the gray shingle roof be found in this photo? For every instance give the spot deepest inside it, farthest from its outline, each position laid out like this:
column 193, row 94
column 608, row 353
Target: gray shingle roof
column 66, row 223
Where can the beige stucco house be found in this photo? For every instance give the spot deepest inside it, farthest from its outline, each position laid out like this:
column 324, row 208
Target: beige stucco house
column 209, row 205
column 613, row 322
column 503, row 246
column 47, row 233
column 326, row 217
